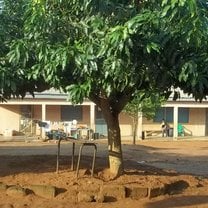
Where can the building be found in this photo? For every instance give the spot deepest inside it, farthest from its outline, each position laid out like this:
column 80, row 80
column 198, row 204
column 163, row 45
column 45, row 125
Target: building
column 22, row 116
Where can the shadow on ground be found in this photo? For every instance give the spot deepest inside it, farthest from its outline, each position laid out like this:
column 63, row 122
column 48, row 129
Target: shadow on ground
column 165, row 158
column 180, row 201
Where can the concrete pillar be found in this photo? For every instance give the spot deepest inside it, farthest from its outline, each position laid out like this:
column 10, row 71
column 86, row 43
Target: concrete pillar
column 43, row 119
column 175, row 122
column 139, row 128
column 92, row 116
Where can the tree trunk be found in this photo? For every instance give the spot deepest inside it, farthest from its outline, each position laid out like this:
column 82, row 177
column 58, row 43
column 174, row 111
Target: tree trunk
column 135, row 126
column 114, row 145
column 111, row 112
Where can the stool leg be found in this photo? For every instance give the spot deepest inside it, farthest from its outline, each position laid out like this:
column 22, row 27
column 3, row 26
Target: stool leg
column 93, row 161
column 79, row 158
column 72, row 162
column 58, row 154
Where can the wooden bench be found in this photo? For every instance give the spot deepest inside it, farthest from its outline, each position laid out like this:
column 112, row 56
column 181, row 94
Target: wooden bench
column 152, row 132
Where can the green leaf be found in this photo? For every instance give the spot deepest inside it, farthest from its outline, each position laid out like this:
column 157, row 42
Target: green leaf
column 165, row 10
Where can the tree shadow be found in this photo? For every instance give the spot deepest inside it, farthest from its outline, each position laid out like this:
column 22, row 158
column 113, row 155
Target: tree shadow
column 179, row 201
column 134, row 168
column 168, row 160
column 10, row 165
column 138, row 160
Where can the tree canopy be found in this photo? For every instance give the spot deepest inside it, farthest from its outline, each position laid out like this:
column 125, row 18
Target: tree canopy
column 118, row 36
column 105, row 51
column 14, row 79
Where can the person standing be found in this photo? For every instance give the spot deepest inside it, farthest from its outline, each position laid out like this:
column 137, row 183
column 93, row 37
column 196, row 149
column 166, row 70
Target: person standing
column 164, row 128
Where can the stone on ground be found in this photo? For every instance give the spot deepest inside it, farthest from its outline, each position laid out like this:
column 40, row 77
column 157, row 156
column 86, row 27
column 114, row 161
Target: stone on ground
column 16, row 191
column 46, row 191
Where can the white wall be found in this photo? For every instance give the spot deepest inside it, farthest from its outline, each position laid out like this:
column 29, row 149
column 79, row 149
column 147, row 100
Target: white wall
column 9, row 118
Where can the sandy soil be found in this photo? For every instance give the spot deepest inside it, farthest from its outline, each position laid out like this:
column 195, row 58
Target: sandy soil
column 147, row 163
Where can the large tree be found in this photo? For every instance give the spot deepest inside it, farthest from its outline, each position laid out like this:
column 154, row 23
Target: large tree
column 109, row 50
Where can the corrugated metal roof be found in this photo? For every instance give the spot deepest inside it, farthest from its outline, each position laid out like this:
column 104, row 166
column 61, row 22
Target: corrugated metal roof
column 57, row 94
column 48, row 94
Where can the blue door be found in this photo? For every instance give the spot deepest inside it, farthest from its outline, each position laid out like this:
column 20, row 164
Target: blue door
column 101, row 127
column 100, row 124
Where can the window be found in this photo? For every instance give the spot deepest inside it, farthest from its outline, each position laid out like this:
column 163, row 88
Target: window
column 164, row 113
column 183, row 115
column 26, row 111
column 69, row 112
column 167, row 115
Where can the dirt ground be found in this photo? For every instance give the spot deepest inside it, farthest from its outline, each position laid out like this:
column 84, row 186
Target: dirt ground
column 147, row 163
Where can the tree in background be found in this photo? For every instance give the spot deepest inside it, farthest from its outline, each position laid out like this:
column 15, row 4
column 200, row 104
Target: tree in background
column 106, row 51
column 144, row 104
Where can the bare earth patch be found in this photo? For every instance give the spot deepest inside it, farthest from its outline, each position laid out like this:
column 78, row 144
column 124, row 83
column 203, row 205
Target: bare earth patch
column 144, row 185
